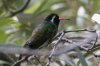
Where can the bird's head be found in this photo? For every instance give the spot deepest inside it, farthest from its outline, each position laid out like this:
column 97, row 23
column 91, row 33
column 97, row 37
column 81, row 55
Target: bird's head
column 54, row 18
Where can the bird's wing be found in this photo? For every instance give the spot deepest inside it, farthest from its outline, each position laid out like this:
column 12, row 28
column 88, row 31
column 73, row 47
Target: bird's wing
column 41, row 34
column 34, row 35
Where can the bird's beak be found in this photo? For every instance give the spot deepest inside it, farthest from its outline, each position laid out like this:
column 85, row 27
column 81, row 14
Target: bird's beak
column 63, row 19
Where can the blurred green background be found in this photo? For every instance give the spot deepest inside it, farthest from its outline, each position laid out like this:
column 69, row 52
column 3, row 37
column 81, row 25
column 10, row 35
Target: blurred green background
column 16, row 29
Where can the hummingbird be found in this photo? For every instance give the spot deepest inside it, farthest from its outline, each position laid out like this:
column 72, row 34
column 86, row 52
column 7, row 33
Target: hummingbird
column 44, row 32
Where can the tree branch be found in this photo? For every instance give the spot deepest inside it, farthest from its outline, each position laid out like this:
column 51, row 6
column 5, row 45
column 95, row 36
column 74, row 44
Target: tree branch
column 13, row 13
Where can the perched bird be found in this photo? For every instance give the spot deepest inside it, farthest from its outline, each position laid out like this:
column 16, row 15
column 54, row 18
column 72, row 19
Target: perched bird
column 44, row 32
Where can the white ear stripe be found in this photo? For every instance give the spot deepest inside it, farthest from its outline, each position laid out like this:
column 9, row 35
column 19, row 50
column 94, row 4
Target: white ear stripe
column 52, row 20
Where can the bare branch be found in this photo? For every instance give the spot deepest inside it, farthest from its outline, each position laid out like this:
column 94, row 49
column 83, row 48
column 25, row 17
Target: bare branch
column 53, row 50
column 21, row 9
column 13, row 13
column 71, row 45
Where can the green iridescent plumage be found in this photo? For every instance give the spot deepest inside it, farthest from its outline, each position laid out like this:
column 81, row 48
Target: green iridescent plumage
column 44, row 32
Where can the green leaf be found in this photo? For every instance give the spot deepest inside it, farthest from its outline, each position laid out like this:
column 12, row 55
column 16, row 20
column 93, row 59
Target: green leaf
column 33, row 8
column 81, row 57
column 4, row 22
column 3, row 35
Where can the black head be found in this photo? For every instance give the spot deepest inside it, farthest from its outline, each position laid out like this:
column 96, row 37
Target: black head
column 54, row 18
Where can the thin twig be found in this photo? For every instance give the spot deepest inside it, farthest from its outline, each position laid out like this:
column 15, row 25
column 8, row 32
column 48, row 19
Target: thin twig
column 19, row 61
column 88, row 31
column 88, row 49
column 95, row 41
column 38, row 60
column 79, row 30
column 53, row 50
